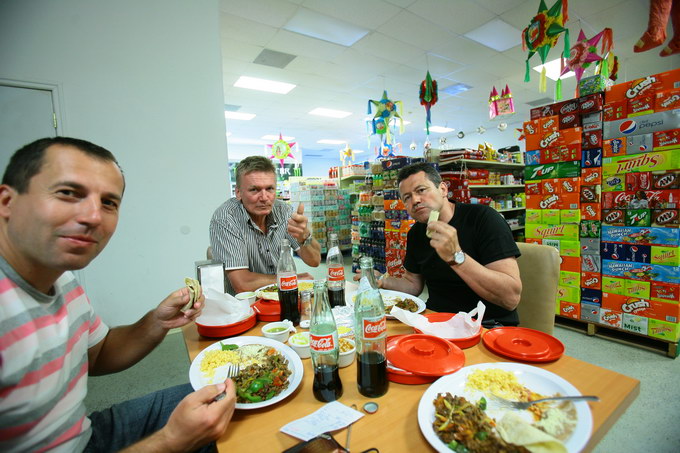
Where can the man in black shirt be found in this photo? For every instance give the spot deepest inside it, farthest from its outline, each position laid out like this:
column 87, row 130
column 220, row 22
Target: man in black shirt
column 467, row 254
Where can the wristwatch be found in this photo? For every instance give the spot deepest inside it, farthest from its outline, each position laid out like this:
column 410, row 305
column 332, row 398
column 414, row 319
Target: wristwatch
column 308, row 240
column 458, row 258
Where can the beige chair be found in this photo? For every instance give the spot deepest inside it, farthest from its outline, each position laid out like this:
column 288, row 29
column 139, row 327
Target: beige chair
column 208, row 253
column 539, row 270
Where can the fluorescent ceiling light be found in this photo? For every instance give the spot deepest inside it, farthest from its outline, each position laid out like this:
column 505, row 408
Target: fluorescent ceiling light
column 456, row 88
column 319, row 26
column 331, row 142
column 496, row 34
column 441, row 129
column 330, row 113
column 358, row 151
column 271, row 86
column 553, row 69
column 239, row 116
column 246, row 141
column 276, row 137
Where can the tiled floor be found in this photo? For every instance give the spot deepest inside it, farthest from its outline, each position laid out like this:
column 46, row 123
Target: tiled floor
column 649, row 425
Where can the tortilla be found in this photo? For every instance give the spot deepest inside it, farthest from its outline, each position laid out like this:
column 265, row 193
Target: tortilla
column 434, row 216
column 194, row 292
column 514, row 429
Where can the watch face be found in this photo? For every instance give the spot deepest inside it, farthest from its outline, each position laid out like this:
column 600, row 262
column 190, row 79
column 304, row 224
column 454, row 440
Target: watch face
column 459, row 257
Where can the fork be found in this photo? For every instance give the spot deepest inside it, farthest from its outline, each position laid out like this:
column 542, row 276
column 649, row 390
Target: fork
column 232, row 370
column 508, row 404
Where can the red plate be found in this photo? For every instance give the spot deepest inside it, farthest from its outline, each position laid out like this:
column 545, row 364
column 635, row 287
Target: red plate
column 524, row 344
column 400, row 376
column 228, row 330
column 268, row 310
column 426, row 355
column 463, row 343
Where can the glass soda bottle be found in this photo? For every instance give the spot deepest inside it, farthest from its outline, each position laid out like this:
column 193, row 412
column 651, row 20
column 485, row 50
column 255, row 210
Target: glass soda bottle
column 324, row 347
column 370, row 331
column 286, row 279
column 336, row 273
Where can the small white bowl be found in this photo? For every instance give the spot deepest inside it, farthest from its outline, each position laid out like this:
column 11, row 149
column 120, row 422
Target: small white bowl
column 278, row 331
column 300, row 344
column 248, row 296
column 346, row 358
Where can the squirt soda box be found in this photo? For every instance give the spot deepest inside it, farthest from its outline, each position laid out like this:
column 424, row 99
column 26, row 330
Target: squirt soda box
column 654, row 161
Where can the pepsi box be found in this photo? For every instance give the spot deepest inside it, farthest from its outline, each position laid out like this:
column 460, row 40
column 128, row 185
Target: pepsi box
column 591, row 157
column 590, row 312
column 642, row 143
column 654, row 122
column 613, row 251
column 590, row 246
column 591, row 296
column 396, row 163
column 638, row 253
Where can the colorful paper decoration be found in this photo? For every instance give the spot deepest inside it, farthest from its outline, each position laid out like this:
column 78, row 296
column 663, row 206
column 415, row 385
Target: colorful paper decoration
column 346, row 154
column 385, row 110
column 386, row 150
column 428, row 98
column 584, row 53
column 655, row 35
column 542, row 34
column 501, row 105
column 281, row 150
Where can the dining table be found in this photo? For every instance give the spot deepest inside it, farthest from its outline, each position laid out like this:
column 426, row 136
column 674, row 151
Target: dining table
column 394, row 427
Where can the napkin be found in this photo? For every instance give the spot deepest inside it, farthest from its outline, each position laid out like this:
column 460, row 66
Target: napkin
column 222, row 309
column 460, row 326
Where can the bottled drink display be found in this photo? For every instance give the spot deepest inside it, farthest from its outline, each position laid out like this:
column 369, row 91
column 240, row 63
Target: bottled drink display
column 370, row 333
column 324, row 347
column 336, row 273
column 286, row 279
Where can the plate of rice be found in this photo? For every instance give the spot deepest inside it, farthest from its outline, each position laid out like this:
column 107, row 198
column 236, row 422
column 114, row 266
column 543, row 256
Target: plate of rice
column 269, row 370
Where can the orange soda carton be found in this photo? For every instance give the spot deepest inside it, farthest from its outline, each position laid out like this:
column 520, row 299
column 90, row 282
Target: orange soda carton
column 591, row 211
column 611, row 318
column 570, row 263
column 570, row 185
column 667, row 100
column 550, row 186
column 666, row 139
column 570, row 310
column 592, row 175
column 592, row 280
column 615, row 110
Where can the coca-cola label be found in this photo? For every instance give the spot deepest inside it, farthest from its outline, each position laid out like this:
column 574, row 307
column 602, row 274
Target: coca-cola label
column 374, row 327
column 336, row 274
column 288, row 283
column 323, row 343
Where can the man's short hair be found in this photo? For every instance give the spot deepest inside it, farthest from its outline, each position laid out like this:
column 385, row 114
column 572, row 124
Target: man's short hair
column 28, row 160
column 409, row 170
column 251, row 164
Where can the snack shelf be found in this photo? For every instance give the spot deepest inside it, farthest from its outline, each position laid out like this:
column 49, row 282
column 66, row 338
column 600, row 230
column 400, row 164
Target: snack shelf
column 517, row 228
column 510, row 209
column 497, row 186
column 669, row 348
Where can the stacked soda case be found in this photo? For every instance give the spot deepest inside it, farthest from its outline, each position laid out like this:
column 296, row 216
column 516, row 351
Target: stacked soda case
column 640, row 210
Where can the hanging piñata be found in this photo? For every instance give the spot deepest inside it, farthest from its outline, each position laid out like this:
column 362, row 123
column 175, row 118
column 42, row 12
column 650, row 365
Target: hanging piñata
column 584, row 53
column 281, row 150
column 385, row 110
column 542, row 34
column 346, row 154
column 501, row 104
column 428, row 98
column 493, row 103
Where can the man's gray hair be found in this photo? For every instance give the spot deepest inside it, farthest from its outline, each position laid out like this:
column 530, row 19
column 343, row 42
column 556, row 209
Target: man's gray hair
column 251, row 164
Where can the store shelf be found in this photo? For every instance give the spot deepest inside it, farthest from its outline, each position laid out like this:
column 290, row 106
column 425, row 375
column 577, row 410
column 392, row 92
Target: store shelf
column 517, row 228
column 510, row 209
column 497, row 187
column 490, row 164
column 353, row 177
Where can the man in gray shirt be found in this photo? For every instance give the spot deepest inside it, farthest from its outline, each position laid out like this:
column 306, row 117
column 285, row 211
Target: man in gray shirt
column 246, row 231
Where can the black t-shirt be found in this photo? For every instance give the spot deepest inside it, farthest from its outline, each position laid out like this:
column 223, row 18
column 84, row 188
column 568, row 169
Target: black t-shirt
column 484, row 235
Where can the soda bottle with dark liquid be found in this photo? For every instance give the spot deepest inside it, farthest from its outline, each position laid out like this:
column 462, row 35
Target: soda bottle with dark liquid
column 286, row 279
column 336, row 273
column 370, row 332
column 324, row 347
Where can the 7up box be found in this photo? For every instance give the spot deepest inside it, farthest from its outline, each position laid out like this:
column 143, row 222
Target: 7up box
column 554, row 170
column 663, row 160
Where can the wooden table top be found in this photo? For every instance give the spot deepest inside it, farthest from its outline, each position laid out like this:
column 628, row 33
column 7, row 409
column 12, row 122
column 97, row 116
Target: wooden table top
column 394, row 427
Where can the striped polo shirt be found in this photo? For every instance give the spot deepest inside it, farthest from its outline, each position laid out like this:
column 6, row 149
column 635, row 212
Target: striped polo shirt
column 240, row 244
column 43, row 364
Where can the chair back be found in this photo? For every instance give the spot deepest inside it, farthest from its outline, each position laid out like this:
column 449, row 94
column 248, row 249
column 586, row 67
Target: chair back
column 539, row 270
column 208, row 253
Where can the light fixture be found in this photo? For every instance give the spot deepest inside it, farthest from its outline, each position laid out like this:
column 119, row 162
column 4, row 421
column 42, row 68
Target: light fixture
column 553, row 69
column 328, row 141
column 461, row 134
column 441, row 129
column 239, row 116
column 276, row 137
column 502, row 126
column 330, row 113
column 270, row 86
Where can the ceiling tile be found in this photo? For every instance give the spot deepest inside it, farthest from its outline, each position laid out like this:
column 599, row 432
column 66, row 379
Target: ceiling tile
column 234, row 28
column 297, row 44
column 464, row 51
column 459, row 16
column 389, row 48
column 413, row 29
column 368, row 14
column 270, row 12
column 497, row 7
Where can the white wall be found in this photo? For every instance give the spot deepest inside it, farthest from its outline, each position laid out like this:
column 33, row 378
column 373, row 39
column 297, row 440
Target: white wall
column 143, row 79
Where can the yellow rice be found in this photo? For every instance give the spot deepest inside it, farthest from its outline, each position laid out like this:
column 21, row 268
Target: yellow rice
column 499, row 382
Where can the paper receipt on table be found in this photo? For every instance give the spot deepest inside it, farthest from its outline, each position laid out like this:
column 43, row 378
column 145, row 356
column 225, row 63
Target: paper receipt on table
column 330, row 417
column 434, row 216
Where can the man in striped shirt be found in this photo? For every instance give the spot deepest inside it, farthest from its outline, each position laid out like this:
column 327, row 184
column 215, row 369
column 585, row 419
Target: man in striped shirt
column 59, row 205
column 246, row 231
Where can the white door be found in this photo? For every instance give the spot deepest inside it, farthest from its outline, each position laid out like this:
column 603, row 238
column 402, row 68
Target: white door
column 26, row 114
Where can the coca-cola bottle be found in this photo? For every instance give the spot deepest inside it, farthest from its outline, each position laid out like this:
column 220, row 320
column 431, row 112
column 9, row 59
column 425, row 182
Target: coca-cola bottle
column 286, row 279
column 336, row 273
column 324, row 346
column 370, row 332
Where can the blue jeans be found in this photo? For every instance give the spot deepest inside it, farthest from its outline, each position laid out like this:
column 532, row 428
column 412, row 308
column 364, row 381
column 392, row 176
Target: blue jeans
column 123, row 424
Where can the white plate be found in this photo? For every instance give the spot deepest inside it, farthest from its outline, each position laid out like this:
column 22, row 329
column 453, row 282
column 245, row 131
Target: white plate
column 536, row 379
column 388, row 294
column 294, row 364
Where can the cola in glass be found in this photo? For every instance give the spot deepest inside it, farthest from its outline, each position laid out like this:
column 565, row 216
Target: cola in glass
column 286, row 279
column 336, row 273
column 324, row 347
column 370, row 332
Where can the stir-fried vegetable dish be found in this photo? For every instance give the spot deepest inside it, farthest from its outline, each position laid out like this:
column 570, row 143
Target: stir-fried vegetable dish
column 264, row 380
